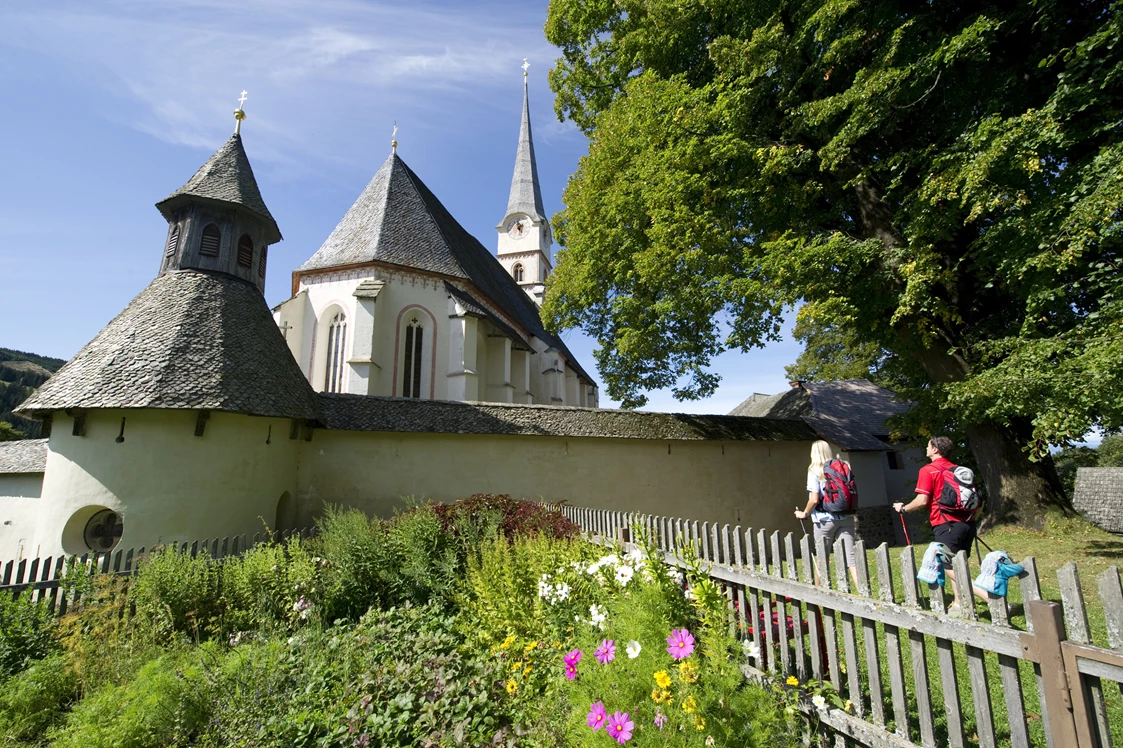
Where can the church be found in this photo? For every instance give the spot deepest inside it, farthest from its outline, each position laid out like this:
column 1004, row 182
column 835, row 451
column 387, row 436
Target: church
column 408, row 361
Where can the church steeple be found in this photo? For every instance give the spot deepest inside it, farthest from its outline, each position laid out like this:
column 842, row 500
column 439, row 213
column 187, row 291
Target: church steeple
column 218, row 221
column 524, row 232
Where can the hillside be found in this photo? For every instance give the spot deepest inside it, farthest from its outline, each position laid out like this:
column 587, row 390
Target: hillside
column 21, row 374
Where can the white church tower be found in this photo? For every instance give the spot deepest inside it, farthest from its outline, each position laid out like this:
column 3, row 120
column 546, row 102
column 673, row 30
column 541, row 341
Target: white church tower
column 524, row 232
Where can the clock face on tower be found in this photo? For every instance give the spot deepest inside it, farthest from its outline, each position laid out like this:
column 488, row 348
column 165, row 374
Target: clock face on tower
column 517, row 228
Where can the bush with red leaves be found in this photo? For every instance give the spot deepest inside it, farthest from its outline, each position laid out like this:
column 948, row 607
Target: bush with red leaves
column 516, row 516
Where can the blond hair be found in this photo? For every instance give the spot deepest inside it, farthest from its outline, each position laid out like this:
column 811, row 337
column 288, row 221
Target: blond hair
column 821, row 454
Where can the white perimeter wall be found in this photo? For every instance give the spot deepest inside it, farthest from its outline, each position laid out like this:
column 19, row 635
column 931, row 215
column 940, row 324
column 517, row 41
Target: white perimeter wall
column 19, row 507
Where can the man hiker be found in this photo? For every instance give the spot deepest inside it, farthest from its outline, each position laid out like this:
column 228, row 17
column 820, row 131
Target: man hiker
column 951, row 504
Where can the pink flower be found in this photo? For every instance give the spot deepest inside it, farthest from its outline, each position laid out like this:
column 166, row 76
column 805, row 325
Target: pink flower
column 680, row 644
column 570, row 671
column 573, row 658
column 660, row 719
column 619, row 727
column 606, row 652
column 597, row 716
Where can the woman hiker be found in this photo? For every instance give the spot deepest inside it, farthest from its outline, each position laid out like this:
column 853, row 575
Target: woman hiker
column 829, row 525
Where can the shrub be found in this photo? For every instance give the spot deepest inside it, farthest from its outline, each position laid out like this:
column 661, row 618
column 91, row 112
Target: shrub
column 177, row 593
column 358, row 562
column 33, row 700
column 515, row 517
column 26, row 632
column 427, row 563
column 270, row 585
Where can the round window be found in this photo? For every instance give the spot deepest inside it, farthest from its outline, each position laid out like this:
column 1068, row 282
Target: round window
column 103, row 531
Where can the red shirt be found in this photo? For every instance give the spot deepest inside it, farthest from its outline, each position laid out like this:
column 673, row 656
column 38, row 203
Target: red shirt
column 929, row 482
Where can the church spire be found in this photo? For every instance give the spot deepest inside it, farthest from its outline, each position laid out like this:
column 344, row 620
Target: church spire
column 526, row 196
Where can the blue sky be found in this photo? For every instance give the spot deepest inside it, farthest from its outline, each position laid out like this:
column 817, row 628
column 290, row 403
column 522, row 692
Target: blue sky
column 109, row 106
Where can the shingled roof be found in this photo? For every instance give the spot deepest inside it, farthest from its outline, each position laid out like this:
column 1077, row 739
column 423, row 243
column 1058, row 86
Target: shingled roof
column 24, row 456
column 526, row 195
column 226, row 178
column 192, row 340
column 397, row 220
column 851, row 413
column 367, row 413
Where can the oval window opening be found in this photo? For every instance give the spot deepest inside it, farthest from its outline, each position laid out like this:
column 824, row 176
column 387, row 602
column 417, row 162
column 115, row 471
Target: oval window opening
column 103, row 531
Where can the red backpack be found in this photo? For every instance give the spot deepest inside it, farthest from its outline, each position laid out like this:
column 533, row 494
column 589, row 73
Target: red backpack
column 840, row 494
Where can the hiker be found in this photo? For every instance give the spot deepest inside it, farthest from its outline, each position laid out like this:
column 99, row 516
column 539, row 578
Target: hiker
column 937, row 488
column 832, row 500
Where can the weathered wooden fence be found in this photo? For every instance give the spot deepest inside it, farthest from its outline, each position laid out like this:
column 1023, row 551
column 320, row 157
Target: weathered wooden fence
column 859, row 640
column 45, row 578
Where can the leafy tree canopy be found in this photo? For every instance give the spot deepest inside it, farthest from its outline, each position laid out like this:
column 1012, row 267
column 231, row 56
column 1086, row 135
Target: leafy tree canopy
column 937, row 183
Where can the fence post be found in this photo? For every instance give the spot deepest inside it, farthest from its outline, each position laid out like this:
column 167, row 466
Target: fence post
column 1044, row 646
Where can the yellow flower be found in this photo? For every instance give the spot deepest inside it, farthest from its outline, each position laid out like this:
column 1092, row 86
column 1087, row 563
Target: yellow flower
column 661, row 696
column 512, row 687
column 515, row 666
column 662, row 679
column 689, row 705
column 530, row 647
column 848, row 705
column 699, row 722
column 792, row 680
column 527, row 671
column 688, row 671
column 507, row 642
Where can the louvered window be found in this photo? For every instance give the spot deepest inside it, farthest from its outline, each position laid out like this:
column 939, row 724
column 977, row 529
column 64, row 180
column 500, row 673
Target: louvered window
column 337, row 337
column 212, row 238
column 245, row 251
column 173, row 242
column 411, row 376
column 517, row 271
column 261, row 262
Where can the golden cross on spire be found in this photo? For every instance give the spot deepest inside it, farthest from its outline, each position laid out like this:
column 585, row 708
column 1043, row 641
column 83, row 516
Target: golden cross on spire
column 239, row 115
column 394, row 138
column 526, row 66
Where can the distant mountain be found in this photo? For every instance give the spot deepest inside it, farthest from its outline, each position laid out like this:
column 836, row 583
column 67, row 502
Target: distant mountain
column 20, row 375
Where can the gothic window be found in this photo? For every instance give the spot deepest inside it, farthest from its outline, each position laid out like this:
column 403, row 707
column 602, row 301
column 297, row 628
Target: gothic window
column 212, row 238
column 337, row 337
column 173, row 242
column 543, row 278
column 517, row 271
column 261, row 262
column 103, row 531
column 245, row 251
column 411, row 372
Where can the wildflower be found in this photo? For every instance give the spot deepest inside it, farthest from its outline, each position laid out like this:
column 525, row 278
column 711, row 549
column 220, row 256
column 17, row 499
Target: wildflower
column 598, row 617
column 530, row 647
column 792, row 680
column 699, row 722
column 301, row 604
column 526, row 672
column 606, row 652
column 597, row 716
column 689, row 705
column 624, row 574
column 544, row 587
column 660, row 718
column 848, row 705
column 610, row 560
column 661, row 696
column 561, row 592
column 688, row 593
column 709, row 740
column 680, row 644
column 633, row 649
column 515, row 666
column 688, row 672
column 662, row 679
column 512, row 687
column 507, row 642
column 635, row 556
column 819, row 702
column 751, row 649
column 573, row 657
column 593, row 569
column 570, row 671
column 677, row 577
column 620, row 727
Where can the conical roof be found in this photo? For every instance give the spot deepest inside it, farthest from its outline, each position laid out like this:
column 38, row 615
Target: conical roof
column 226, row 178
column 192, row 340
column 526, row 196
column 397, row 220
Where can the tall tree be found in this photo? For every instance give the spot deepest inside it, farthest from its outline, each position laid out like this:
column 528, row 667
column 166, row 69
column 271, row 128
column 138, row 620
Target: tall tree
column 943, row 178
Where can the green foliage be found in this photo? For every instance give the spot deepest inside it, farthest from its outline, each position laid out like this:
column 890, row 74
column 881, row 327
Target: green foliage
column 261, row 587
column 26, row 632
column 20, row 374
column 428, row 563
column 35, row 699
column 1110, row 451
column 177, row 593
column 1108, row 454
column 359, row 560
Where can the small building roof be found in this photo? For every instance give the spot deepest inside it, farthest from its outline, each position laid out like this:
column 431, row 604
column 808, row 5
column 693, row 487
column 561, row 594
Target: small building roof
column 369, row 413
column 397, row 220
column 476, row 309
column 193, row 340
column 851, row 413
column 23, row 456
column 225, row 178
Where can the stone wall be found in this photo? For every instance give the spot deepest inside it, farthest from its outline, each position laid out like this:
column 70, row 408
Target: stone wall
column 1099, row 497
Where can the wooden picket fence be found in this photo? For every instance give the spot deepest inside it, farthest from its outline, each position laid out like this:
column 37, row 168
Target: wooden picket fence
column 45, row 578
column 853, row 639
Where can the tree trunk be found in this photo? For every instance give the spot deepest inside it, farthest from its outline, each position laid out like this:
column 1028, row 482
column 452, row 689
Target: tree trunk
column 1020, row 492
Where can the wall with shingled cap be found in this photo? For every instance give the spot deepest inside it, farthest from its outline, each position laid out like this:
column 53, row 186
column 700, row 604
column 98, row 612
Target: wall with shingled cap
column 1099, row 497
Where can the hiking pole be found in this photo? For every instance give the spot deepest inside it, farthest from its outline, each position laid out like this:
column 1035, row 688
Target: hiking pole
column 801, row 522
column 904, row 529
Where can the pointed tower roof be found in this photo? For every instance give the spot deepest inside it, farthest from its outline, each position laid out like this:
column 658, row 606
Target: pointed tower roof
column 226, row 178
column 526, row 196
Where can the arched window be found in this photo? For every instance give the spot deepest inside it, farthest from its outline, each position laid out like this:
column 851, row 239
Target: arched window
column 337, row 338
column 212, row 238
column 517, row 271
column 261, row 262
column 411, row 372
column 245, row 251
column 173, row 242
column 543, row 273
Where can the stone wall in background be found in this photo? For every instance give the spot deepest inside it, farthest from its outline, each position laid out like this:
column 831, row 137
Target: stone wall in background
column 1099, row 497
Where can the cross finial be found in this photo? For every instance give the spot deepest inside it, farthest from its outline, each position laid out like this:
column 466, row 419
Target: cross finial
column 239, row 115
column 394, row 138
column 526, row 66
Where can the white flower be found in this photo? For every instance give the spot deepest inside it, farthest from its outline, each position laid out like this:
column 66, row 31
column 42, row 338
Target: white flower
column 709, row 740
column 635, row 555
column 610, row 560
column 633, row 649
column 751, row 649
column 624, row 574
column 597, row 616
column 676, row 576
column 544, row 587
column 561, row 592
column 593, row 569
column 688, row 593
column 819, row 702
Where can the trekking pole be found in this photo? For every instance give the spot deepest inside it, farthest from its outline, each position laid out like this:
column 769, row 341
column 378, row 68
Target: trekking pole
column 801, row 522
column 904, row 529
